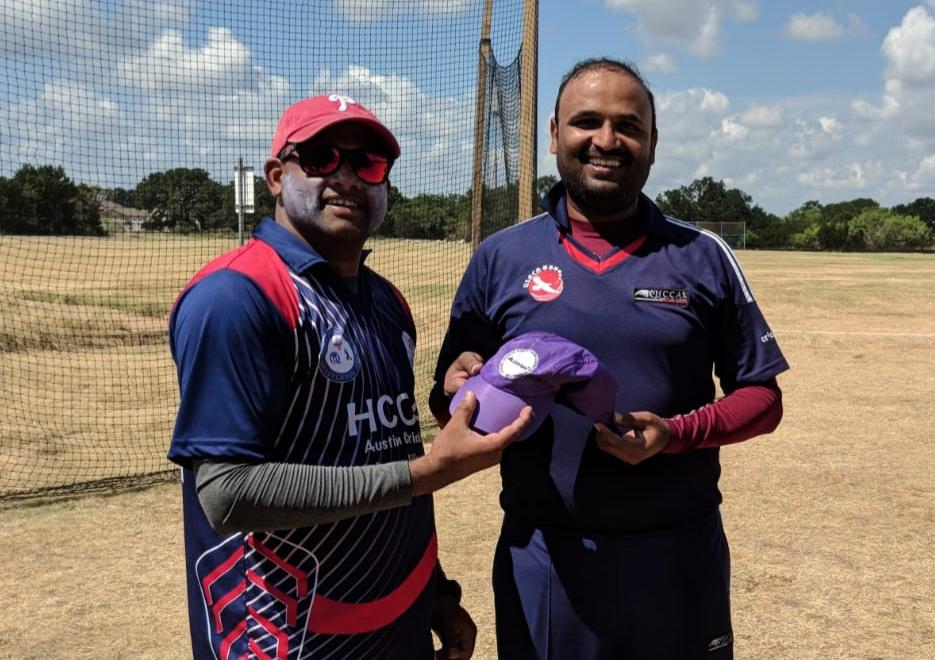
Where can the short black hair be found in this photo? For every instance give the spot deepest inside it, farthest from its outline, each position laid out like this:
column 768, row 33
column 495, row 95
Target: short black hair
column 606, row 64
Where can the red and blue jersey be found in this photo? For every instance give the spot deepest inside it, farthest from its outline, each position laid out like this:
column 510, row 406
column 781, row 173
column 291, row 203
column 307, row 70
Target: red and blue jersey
column 279, row 362
column 664, row 313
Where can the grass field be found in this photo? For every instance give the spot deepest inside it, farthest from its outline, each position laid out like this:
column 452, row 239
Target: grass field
column 831, row 519
column 85, row 373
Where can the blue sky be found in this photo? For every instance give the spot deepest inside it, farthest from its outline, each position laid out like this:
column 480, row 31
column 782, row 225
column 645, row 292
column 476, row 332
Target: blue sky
column 788, row 101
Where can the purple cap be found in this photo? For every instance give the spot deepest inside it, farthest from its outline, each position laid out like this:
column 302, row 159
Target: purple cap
column 537, row 369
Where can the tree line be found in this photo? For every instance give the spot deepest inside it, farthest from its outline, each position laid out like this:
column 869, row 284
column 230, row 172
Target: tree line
column 45, row 201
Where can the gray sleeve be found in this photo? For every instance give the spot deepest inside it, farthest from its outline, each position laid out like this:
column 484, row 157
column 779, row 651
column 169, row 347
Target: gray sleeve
column 240, row 497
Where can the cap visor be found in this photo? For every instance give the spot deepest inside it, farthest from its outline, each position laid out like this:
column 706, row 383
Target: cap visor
column 497, row 408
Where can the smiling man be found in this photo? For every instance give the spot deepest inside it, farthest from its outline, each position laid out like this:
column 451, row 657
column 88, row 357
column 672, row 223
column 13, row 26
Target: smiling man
column 309, row 527
column 612, row 544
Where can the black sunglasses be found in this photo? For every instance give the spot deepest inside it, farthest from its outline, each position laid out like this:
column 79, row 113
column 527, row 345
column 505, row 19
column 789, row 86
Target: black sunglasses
column 321, row 160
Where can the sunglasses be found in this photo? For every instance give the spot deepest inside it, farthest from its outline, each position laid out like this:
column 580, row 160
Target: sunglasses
column 321, row 160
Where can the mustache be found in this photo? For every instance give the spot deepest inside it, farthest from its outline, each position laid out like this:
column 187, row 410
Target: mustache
column 623, row 154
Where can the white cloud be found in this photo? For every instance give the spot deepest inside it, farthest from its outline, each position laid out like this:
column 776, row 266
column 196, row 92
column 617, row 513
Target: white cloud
column 221, row 64
column 357, row 10
column 820, row 26
column 910, row 49
column 433, row 141
column 692, row 24
column 659, row 63
column 762, row 116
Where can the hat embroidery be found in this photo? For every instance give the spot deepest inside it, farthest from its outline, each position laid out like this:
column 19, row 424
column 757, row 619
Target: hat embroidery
column 518, row 362
column 545, row 283
column 343, row 100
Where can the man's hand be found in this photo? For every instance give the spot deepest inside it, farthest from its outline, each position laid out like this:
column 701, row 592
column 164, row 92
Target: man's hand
column 466, row 365
column 645, row 435
column 455, row 630
column 458, row 451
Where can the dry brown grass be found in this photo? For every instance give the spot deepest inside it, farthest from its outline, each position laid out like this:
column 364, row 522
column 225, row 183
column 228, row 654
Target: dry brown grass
column 831, row 519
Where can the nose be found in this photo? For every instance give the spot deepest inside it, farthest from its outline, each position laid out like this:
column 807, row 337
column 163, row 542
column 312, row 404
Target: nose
column 344, row 176
column 605, row 138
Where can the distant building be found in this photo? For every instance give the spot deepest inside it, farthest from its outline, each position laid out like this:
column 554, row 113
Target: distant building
column 116, row 218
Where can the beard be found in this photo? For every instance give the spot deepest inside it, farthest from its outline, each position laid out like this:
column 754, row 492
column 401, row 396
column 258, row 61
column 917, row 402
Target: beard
column 601, row 198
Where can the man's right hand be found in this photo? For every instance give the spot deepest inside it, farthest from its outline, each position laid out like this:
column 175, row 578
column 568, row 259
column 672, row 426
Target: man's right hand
column 465, row 365
column 458, row 451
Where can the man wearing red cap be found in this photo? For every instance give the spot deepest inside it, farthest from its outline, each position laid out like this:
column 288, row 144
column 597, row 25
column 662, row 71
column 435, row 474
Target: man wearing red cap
column 309, row 528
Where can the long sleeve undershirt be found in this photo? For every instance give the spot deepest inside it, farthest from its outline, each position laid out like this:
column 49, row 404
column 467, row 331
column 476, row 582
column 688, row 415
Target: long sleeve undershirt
column 242, row 497
column 746, row 412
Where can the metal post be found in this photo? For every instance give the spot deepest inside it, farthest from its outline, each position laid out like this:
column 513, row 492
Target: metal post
column 240, row 199
column 480, row 127
column 527, row 114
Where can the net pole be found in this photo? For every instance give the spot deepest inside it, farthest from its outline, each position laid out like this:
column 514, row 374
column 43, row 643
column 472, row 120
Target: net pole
column 529, row 66
column 240, row 201
column 480, row 127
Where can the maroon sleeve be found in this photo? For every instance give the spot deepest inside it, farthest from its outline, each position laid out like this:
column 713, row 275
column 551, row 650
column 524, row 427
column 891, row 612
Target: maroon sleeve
column 748, row 411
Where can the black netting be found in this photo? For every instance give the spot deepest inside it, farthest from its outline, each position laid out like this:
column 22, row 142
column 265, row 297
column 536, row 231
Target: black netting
column 121, row 123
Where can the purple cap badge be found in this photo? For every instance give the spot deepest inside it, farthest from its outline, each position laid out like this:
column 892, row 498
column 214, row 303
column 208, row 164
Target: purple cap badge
column 539, row 369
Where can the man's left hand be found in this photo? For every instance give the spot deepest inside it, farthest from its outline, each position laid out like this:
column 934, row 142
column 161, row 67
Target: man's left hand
column 455, row 630
column 645, row 435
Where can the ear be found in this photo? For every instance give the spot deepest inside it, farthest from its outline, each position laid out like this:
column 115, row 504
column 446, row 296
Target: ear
column 273, row 169
column 553, row 131
column 652, row 147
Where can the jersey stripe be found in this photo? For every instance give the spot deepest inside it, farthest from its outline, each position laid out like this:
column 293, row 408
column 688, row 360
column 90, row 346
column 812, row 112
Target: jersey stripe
column 725, row 248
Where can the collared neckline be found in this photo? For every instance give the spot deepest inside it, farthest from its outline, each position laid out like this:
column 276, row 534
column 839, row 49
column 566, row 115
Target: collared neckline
column 296, row 253
column 553, row 202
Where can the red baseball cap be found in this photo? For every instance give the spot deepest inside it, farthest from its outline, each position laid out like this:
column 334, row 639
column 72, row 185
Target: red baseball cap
column 307, row 118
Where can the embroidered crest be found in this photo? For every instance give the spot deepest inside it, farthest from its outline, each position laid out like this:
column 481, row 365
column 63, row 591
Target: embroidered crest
column 545, row 283
column 337, row 361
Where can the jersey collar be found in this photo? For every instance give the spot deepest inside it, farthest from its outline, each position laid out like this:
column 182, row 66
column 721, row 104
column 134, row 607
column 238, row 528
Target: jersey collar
column 553, row 202
column 296, row 253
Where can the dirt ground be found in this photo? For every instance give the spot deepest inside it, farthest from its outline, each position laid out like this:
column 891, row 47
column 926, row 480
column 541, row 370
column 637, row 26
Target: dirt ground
column 831, row 519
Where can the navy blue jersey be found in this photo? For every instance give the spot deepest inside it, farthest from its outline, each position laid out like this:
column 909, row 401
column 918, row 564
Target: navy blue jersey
column 279, row 362
column 664, row 313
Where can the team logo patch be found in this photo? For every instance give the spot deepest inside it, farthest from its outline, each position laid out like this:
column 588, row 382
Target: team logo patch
column 545, row 283
column 337, row 361
column 662, row 296
column 519, row 362
column 410, row 344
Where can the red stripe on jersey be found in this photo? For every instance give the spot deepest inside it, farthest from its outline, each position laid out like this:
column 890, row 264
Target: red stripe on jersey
column 292, row 605
column 597, row 265
column 333, row 617
column 218, row 571
column 301, row 579
column 258, row 261
column 282, row 639
column 228, row 641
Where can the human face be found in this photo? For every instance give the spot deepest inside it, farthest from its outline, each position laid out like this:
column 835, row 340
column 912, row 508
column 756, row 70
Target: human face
column 604, row 144
column 338, row 207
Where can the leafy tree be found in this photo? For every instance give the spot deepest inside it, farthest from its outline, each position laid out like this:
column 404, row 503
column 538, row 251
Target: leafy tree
column 799, row 229
column 43, row 201
column 429, row 216
column 184, row 199
column 13, row 212
column 833, row 226
column 923, row 208
column 543, row 184
column 707, row 200
column 880, row 229
column 394, row 202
